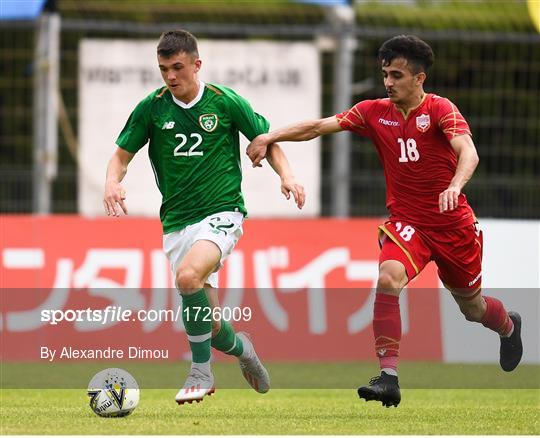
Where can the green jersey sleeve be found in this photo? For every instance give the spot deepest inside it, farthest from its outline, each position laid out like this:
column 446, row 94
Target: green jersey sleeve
column 136, row 132
column 247, row 121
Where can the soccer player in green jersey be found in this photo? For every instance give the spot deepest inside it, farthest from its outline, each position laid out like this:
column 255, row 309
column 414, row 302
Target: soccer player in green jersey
column 193, row 133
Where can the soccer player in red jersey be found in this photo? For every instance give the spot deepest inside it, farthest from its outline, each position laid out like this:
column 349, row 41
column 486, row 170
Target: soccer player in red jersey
column 428, row 155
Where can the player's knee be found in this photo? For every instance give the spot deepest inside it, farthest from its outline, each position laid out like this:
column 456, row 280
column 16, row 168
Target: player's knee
column 387, row 282
column 188, row 280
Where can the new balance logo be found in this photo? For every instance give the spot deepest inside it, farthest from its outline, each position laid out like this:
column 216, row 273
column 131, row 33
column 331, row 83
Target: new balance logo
column 168, row 125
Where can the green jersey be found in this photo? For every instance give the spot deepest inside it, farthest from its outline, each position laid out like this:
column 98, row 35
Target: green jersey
column 194, row 151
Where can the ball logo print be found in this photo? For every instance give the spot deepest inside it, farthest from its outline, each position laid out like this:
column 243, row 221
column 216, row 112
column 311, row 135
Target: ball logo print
column 113, row 392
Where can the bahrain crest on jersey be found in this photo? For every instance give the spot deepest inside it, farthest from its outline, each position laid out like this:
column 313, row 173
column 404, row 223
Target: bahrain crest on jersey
column 208, row 122
column 423, row 123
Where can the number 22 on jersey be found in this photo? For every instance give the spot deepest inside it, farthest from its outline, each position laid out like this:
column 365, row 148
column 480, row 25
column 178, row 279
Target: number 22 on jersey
column 196, row 140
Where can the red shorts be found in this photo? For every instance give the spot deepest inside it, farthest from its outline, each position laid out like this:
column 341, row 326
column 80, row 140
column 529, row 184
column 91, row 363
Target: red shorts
column 456, row 252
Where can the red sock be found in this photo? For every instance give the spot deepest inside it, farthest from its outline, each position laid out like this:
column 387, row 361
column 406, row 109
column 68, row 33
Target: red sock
column 387, row 329
column 496, row 317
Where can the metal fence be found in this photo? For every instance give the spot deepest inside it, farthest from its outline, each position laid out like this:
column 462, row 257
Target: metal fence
column 493, row 78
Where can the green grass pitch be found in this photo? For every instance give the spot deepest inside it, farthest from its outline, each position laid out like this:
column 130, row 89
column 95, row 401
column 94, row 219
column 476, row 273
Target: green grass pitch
column 462, row 404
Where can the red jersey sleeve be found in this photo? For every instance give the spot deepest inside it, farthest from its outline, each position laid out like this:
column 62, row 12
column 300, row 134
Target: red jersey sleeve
column 450, row 120
column 355, row 119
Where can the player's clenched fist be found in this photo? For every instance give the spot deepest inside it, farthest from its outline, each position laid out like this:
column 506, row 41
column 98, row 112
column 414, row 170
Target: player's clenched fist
column 448, row 200
column 114, row 198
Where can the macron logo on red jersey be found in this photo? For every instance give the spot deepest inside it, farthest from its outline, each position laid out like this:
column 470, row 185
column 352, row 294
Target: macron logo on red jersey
column 388, row 122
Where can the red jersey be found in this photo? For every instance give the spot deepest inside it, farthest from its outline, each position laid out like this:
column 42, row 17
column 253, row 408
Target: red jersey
column 416, row 156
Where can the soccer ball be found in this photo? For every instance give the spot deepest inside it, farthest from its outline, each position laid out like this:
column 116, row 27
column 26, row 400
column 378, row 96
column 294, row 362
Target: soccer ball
column 113, row 393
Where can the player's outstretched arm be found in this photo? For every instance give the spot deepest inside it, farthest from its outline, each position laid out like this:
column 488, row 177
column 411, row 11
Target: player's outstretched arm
column 277, row 159
column 115, row 194
column 302, row 131
column 465, row 150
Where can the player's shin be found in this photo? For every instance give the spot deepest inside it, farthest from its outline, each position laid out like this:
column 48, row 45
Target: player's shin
column 496, row 317
column 198, row 325
column 387, row 331
column 227, row 341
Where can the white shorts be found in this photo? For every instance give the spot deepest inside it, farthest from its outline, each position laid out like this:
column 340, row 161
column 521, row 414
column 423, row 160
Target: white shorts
column 224, row 229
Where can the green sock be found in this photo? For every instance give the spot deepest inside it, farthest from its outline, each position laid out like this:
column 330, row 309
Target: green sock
column 198, row 324
column 227, row 341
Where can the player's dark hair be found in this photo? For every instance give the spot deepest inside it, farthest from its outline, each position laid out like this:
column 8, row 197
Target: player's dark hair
column 417, row 52
column 177, row 41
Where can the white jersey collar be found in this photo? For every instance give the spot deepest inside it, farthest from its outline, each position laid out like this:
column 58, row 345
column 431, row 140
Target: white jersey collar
column 194, row 101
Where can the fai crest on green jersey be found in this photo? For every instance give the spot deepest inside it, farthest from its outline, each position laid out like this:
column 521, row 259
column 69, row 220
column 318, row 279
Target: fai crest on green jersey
column 208, row 122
